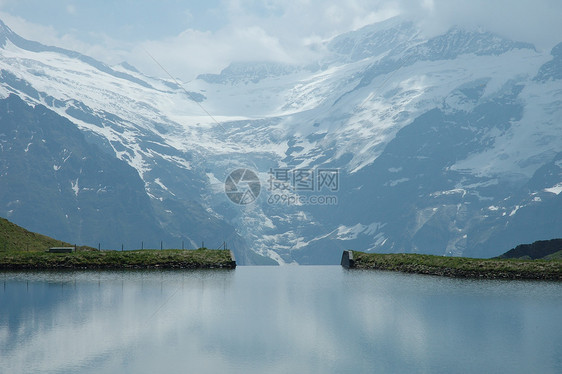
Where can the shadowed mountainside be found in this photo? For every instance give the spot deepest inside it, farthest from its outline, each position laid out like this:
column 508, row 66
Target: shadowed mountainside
column 541, row 249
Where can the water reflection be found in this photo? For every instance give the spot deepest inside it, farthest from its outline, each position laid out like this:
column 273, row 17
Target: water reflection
column 275, row 320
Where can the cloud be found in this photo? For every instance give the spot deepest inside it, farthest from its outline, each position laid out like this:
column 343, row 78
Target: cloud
column 194, row 52
column 289, row 31
column 71, row 9
column 282, row 31
column 537, row 22
column 29, row 30
column 106, row 49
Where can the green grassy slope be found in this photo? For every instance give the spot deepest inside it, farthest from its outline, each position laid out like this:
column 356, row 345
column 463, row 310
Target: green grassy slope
column 23, row 249
column 460, row 266
column 16, row 238
column 541, row 249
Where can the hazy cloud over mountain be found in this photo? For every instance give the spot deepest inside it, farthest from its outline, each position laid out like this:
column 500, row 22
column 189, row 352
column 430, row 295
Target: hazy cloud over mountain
column 206, row 36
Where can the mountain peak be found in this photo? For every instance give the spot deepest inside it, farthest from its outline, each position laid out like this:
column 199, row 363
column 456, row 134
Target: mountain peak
column 482, row 42
column 129, row 67
column 374, row 39
column 557, row 51
column 5, row 33
column 553, row 68
column 249, row 72
column 461, row 41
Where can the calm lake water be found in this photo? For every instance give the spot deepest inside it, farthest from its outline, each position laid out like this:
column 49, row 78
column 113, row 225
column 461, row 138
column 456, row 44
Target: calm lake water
column 308, row 319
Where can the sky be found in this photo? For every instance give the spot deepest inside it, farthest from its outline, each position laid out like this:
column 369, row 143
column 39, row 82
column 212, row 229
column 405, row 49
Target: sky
column 194, row 37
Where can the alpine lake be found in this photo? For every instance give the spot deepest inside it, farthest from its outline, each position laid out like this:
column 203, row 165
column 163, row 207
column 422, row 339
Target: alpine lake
column 289, row 319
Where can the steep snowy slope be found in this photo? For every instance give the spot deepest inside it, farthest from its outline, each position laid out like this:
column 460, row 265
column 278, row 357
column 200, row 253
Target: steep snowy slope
column 53, row 179
column 117, row 111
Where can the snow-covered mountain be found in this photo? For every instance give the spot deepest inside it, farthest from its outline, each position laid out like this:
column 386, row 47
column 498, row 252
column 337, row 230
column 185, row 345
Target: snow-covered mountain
column 445, row 145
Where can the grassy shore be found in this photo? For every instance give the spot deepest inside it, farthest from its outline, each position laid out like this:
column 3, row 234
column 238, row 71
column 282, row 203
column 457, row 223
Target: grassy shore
column 461, row 267
column 141, row 259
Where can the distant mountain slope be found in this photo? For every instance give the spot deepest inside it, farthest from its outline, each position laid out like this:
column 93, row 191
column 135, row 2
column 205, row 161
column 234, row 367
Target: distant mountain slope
column 541, row 249
column 52, row 180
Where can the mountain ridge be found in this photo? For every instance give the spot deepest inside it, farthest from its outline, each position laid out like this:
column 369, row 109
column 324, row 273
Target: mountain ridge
column 542, row 249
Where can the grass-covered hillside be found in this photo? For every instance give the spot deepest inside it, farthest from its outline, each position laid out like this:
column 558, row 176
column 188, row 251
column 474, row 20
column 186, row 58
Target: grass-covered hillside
column 541, row 249
column 16, row 238
column 461, row 267
column 22, row 249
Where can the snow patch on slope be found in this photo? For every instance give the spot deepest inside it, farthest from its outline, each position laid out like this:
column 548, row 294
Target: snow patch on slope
column 557, row 189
